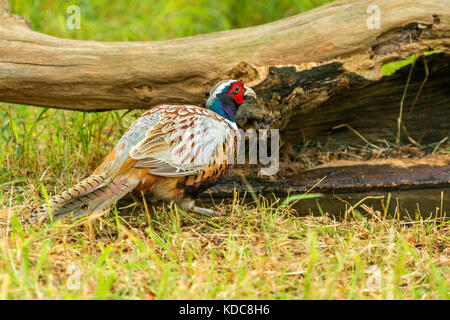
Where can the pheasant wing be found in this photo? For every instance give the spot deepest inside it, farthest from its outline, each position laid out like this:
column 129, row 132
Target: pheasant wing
column 185, row 141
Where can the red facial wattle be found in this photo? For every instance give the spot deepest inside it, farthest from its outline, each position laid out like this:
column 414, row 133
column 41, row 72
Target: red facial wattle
column 237, row 92
column 239, row 98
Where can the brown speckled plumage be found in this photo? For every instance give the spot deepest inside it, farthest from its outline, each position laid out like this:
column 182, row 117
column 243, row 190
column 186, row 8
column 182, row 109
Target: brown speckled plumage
column 171, row 151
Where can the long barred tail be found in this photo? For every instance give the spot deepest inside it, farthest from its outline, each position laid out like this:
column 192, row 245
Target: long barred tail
column 91, row 194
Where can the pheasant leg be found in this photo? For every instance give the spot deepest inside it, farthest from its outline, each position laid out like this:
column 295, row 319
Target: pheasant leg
column 189, row 205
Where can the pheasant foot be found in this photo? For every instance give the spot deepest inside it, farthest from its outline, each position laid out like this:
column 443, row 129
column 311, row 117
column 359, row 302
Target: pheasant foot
column 189, row 205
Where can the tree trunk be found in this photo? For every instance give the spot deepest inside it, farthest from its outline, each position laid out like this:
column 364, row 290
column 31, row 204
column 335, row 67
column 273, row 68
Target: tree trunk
column 317, row 74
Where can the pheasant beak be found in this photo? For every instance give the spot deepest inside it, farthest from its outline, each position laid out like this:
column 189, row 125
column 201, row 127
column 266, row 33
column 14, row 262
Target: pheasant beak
column 249, row 92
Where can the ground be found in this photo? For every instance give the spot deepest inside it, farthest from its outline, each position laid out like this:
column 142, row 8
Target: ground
column 262, row 251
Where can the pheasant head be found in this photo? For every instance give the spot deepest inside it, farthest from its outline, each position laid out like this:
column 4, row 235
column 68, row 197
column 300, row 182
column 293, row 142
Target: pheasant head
column 226, row 97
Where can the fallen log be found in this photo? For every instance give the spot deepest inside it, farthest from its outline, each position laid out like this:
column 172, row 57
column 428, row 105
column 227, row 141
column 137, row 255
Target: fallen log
column 347, row 177
column 38, row 69
column 399, row 188
column 316, row 74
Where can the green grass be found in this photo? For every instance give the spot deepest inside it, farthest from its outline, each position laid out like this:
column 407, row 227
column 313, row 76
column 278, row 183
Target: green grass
column 392, row 67
column 262, row 250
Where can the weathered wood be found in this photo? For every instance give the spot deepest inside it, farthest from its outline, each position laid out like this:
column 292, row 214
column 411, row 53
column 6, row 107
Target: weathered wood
column 42, row 70
column 312, row 72
column 412, row 187
column 315, row 107
column 352, row 177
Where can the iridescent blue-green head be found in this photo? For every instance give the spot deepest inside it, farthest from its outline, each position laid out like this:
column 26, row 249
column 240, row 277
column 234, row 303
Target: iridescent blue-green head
column 226, row 97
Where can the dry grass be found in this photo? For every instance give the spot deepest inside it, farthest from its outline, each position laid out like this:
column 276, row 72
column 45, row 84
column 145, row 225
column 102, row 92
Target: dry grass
column 308, row 156
column 259, row 251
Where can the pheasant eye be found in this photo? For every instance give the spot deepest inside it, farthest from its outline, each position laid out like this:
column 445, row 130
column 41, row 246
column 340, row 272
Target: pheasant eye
column 236, row 88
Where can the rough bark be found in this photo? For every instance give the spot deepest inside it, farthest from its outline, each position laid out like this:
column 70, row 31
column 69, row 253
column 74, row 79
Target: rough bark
column 42, row 70
column 312, row 72
column 383, row 175
column 423, row 183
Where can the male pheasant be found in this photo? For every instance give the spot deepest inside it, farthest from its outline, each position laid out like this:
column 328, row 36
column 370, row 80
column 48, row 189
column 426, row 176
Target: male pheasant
column 172, row 151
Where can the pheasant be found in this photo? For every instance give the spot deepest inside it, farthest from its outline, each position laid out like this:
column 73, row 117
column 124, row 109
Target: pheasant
column 173, row 151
